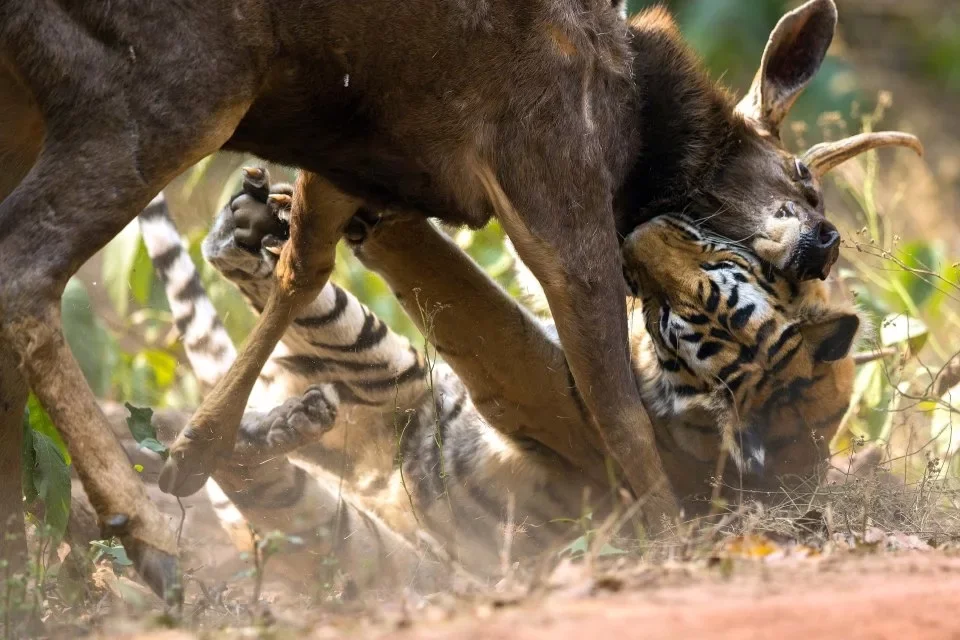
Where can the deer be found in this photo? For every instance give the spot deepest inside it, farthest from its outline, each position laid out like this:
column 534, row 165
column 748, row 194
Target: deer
column 568, row 123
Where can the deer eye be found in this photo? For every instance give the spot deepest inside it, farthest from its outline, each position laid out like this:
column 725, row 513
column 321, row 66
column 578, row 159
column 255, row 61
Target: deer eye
column 802, row 171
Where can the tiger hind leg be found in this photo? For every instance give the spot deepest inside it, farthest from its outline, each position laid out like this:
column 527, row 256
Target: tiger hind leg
column 315, row 509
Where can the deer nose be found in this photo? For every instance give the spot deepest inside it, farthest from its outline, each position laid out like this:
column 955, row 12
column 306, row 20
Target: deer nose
column 827, row 235
column 817, row 251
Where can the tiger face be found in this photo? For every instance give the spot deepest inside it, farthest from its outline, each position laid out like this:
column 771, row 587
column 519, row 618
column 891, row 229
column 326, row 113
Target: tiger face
column 742, row 360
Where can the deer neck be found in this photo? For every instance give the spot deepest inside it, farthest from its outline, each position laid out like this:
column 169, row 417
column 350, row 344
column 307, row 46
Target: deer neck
column 682, row 126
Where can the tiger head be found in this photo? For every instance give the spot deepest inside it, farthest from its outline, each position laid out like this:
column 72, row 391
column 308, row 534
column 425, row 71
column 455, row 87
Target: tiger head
column 741, row 361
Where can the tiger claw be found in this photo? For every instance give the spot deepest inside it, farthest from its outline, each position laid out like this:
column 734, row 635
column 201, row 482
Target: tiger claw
column 254, row 174
column 272, row 244
column 279, row 205
column 256, row 183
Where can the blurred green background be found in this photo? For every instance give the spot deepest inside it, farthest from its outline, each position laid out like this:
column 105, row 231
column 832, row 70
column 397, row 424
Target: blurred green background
column 894, row 64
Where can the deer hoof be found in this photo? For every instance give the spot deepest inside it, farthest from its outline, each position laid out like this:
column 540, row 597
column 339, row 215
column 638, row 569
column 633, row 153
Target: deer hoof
column 116, row 525
column 189, row 465
column 159, row 569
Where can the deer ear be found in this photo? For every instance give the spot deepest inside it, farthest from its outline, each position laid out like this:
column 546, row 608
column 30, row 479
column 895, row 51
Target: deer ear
column 794, row 52
column 831, row 338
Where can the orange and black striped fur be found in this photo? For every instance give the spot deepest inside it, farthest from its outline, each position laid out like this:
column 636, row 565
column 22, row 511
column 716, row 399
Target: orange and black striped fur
column 734, row 359
column 731, row 359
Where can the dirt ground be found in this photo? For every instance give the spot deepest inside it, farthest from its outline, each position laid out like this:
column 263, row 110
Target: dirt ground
column 912, row 596
column 902, row 596
column 866, row 593
column 881, row 585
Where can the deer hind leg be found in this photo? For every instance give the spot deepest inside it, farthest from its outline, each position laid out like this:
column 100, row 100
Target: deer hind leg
column 318, row 215
column 21, row 133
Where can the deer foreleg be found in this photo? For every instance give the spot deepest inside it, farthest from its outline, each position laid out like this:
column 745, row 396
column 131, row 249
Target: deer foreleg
column 318, row 216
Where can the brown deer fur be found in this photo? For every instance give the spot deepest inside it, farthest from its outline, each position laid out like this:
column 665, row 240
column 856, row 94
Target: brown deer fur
column 554, row 115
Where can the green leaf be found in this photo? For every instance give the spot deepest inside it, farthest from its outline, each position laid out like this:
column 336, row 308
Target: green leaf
column 29, row 463
column 945, row 431
column 163, row 365
column 41, row 423
column 609, row 550
column 866, row 395
column 141, row 428
column 918, row 254
column 576, row 548
column 141, row 274
column 112, row 550
column 156, row 446
column 91, row 344
column 197, row 173
column 52, row 480
column 140, row 423
column 232, row 308
column 142, row 382
column 118, row 259
column 873, row 394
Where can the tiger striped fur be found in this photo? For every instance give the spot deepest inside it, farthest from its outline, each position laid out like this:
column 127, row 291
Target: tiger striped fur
column 732, row 348
column 732, row 360
column 262, row 488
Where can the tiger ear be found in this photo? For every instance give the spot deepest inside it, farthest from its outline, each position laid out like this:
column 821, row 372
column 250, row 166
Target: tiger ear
column 831, row 338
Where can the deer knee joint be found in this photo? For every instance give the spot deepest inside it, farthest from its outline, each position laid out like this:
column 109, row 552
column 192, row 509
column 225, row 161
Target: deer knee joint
column 303, row 276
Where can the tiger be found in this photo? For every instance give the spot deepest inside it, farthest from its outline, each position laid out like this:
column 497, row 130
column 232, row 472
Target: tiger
column 392, row 462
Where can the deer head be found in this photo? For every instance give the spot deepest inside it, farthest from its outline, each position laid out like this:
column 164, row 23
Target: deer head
column 761, row 193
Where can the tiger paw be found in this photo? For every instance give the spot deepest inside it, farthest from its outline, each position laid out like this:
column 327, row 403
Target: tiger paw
column 295, row 423
column 250, row 231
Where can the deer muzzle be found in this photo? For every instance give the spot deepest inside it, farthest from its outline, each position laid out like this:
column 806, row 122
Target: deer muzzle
column 816, row 253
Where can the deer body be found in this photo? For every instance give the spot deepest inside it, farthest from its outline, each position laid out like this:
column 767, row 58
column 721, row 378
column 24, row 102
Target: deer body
column 553, row 115
column 398, row 110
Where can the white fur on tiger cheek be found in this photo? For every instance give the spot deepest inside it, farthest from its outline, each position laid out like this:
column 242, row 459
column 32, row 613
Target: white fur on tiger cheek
column 780, row 238
column 747, row 294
